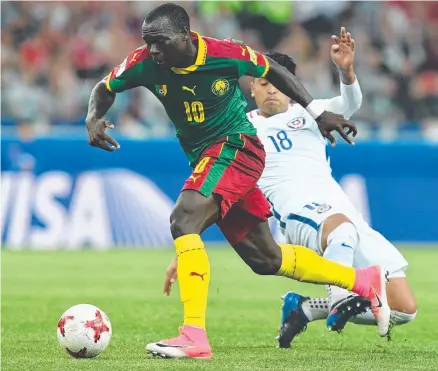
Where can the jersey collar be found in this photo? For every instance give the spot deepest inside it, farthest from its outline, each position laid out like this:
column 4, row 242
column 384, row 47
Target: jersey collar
column 200, row 57
column 255, row 113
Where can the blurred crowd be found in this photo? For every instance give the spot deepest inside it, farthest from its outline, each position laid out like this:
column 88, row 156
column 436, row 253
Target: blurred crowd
column 54, row 52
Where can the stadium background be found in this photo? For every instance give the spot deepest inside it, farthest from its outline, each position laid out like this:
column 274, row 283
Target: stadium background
column 57, row 193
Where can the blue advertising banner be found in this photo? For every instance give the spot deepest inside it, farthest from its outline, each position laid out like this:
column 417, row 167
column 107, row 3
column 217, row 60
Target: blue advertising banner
column 61, row 193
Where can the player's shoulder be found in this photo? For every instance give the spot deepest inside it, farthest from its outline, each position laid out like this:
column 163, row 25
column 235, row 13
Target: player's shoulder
column 138, row 55
column 229, row 48
column 134, row 58
column 296, row 109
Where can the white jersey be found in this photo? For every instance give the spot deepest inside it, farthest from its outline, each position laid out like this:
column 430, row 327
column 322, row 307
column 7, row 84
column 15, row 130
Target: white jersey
column 297, row 166
column 298, row 183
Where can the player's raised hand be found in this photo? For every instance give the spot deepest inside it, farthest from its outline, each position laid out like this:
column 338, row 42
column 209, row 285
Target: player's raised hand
column 171, row 276
column 342, row 51
column 329, row 122
column 97, row 137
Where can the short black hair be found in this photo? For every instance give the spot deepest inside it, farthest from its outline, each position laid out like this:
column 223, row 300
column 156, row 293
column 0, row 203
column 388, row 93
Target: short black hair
column 173, row 12
column 283, row 60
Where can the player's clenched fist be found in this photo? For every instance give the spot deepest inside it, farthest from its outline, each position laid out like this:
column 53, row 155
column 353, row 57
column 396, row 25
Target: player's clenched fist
column 171, row 276
column 97, row 137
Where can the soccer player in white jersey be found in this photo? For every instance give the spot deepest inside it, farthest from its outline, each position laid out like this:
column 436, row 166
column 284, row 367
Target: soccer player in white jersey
column 311, row 207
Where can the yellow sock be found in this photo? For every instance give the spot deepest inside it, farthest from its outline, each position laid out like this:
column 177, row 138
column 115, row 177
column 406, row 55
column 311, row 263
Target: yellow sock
column 303, row 264
column 193, row 278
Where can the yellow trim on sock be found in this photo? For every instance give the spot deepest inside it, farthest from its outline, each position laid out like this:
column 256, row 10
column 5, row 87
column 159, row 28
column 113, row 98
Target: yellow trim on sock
column 187, row 243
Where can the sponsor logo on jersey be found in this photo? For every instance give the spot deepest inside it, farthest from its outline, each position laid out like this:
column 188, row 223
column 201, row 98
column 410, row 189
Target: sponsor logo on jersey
column 192, row 90
column 220, row 87
column 296, row 123
column 134, row 57
column 194, row 178
column 323, row 209
column 161, row 90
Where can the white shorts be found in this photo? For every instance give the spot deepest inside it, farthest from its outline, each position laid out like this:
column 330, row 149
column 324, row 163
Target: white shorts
column 305, row 229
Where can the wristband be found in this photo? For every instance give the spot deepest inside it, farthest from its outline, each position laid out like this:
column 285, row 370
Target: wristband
column 315, row 109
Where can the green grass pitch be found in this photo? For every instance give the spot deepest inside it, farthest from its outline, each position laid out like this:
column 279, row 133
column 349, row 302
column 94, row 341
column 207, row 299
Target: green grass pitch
column 243, row 315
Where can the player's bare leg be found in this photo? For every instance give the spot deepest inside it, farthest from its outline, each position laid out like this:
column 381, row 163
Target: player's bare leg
column 259, row 250
column 400, row 296
column 192, row 214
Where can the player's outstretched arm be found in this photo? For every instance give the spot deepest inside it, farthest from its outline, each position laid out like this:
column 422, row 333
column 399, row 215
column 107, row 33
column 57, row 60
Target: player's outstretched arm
column 101, row 99
column 127, row 75
column 288, row 84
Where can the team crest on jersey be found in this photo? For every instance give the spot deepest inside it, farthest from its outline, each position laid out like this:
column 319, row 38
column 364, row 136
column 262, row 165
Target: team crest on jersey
column 161, row 90
column 323, row 208
column 220, row 87
column 296, row 123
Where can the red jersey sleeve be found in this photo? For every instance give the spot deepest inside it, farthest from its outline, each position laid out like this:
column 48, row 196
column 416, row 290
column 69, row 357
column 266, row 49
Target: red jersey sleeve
column 132, row 72
column 248, row 61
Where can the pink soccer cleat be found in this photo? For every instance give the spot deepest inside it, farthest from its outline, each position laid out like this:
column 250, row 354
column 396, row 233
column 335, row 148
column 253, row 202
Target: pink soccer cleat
column 192, row 342
column 371, row 284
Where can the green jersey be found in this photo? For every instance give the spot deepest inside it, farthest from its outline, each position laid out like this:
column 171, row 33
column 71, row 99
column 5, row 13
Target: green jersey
column 203, row 101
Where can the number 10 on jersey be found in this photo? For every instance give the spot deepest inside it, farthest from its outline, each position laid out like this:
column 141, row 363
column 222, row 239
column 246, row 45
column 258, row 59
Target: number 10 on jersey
column 281, row 141
column 195, row 111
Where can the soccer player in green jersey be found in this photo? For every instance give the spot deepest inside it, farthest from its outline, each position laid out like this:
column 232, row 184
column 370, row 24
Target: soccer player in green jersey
column 196, row 79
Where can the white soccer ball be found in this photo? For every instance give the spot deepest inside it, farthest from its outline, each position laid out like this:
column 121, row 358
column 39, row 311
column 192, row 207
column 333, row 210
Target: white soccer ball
column 84, row 331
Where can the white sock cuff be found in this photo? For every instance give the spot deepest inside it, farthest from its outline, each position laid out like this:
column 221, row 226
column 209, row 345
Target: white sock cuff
column 315, row 108
column 316, row 308
column 400, row 318
column 397, row 318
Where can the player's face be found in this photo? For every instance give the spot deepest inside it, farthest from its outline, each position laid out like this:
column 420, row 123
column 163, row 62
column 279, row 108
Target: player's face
column 268, row 98
column 167, row 47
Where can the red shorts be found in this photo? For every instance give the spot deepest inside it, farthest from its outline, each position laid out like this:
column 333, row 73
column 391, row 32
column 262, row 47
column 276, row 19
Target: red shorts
column 231, row 168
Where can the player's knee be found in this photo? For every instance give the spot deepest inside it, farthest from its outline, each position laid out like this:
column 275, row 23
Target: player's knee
column 182, row 221
column 331, row 225
column 262, row 257
column 265, row 263
column 265, row 266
